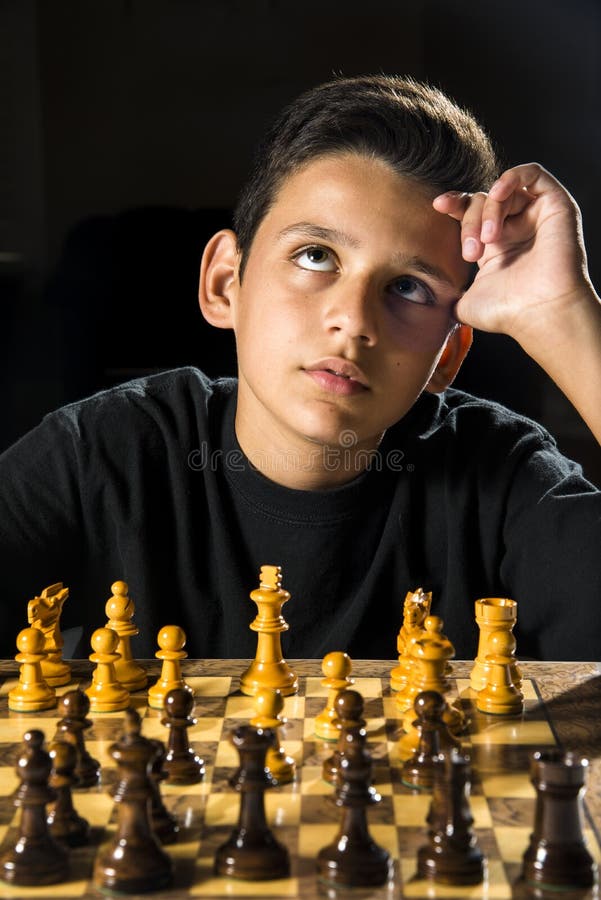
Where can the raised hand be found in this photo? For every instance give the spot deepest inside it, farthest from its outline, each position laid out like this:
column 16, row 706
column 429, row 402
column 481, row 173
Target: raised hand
column 532, row 282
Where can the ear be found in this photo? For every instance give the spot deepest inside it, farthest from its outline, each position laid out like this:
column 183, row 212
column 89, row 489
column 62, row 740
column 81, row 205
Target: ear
column 454, row 352
column 218, row 285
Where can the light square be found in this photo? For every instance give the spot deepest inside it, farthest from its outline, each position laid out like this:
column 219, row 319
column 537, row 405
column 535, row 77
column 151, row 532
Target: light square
column 9, row 781
column 311, row 838
column 593, row 846
column 411, row 809
column 510, row 785
column 240, row 707
column 95, row 806
column 512, row 842
column 312, row 784
column 514, row 731
column 207, row 728
column 209, row 686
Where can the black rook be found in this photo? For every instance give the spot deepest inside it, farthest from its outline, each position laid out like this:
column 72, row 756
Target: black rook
column 557, row 855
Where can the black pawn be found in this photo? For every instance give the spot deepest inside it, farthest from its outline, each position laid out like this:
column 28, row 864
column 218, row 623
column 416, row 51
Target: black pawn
column 74, row 707
column 452, row 855
column 353, row 859
column 252, row 852
column 434, row 738
column 64, row 822
column 36, row 858
column 349, row 709
column 134, row 861
column 164, row 824
column 557, row 856
column 182, row 765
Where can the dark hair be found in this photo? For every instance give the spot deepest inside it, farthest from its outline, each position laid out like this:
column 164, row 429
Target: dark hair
column 414, row 127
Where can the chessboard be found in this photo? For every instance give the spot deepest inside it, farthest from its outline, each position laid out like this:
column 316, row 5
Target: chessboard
column 303, row 814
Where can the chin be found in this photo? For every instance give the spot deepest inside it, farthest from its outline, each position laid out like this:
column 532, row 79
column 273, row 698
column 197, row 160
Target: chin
column 333, row 435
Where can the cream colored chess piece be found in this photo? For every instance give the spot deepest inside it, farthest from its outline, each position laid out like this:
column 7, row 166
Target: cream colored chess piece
column 336, row 667
column 43, row 613
column 105, row 693
column 269, row 704
column 415, row 609
column 120, row 610
column 32, row 693
column 492, row 614
column 171, row 640
column 500, row 696
column 431, row 654
column 269, row 668
column 405, row 693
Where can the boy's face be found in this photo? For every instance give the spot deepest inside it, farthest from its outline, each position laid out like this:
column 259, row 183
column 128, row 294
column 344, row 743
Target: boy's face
column 344, row 306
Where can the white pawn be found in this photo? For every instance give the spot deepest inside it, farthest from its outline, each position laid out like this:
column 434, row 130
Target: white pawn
column 336, row 667
column 32, row 693
column 105, row 693
column 269, row 704
column 171, row 640
column 120, row 610
column 501, row 696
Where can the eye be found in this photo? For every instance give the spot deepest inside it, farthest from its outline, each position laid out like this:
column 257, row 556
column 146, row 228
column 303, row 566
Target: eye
column 413, row 290
column 315, row 259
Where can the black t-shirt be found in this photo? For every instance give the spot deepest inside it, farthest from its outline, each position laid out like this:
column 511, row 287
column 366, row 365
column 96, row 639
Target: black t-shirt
column 146, row 483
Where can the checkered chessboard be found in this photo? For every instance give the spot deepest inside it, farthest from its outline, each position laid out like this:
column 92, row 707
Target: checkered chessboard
column 303, row 814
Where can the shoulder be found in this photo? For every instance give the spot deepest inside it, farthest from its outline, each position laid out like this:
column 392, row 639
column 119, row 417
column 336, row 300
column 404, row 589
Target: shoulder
column 468, row 435
column 466, row 416
column 171, row 399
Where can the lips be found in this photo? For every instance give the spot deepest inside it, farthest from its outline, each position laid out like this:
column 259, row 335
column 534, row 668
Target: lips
column 339, row 376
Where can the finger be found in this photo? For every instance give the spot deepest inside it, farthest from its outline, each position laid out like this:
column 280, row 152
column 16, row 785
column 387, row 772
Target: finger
column 495, row 212
column 529, row 177
column 512, row 193
column 452, row 203
column 471, row 228
column 466, row 209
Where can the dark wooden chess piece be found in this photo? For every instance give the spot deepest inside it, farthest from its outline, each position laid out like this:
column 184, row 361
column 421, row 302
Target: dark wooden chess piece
column 252, row 852
column 434, row 738
column 73, row 707
column 134, row 861
column 557, row 856
column 36, row 858
column 349, row 710
column 164, row 824
column 353, row 858
column 182, row 765
column 452, row 855
column 64, row 822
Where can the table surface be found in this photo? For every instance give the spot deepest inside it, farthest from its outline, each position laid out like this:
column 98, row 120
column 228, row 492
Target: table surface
column 571, row 693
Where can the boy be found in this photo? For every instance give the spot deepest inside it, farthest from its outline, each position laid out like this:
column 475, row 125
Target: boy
column 340, row 452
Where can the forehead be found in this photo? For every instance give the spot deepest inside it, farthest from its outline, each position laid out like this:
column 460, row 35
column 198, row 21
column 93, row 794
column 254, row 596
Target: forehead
column 368, row 206
column 351, row 173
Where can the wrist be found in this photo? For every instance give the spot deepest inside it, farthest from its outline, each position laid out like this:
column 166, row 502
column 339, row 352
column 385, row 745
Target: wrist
column 573, row 327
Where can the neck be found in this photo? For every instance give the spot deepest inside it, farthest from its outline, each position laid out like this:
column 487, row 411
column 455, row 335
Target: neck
column 304, row 465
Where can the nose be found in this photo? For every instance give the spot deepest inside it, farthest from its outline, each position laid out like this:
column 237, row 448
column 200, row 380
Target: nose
column 351, row 309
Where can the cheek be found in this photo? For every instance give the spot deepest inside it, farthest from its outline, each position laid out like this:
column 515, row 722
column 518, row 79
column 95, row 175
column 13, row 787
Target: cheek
column 419, row 329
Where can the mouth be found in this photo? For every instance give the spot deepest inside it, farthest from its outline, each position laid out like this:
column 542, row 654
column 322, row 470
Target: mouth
column 338, row 376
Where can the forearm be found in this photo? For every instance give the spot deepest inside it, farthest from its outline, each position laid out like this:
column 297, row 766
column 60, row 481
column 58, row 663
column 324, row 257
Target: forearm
column 572, row 358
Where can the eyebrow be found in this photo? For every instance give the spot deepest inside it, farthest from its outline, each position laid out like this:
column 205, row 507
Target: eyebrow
column 321, row 233
column 426, row 268
column 309, row 229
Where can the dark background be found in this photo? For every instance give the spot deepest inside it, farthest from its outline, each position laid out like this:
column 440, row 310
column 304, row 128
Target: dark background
column 127, row 127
